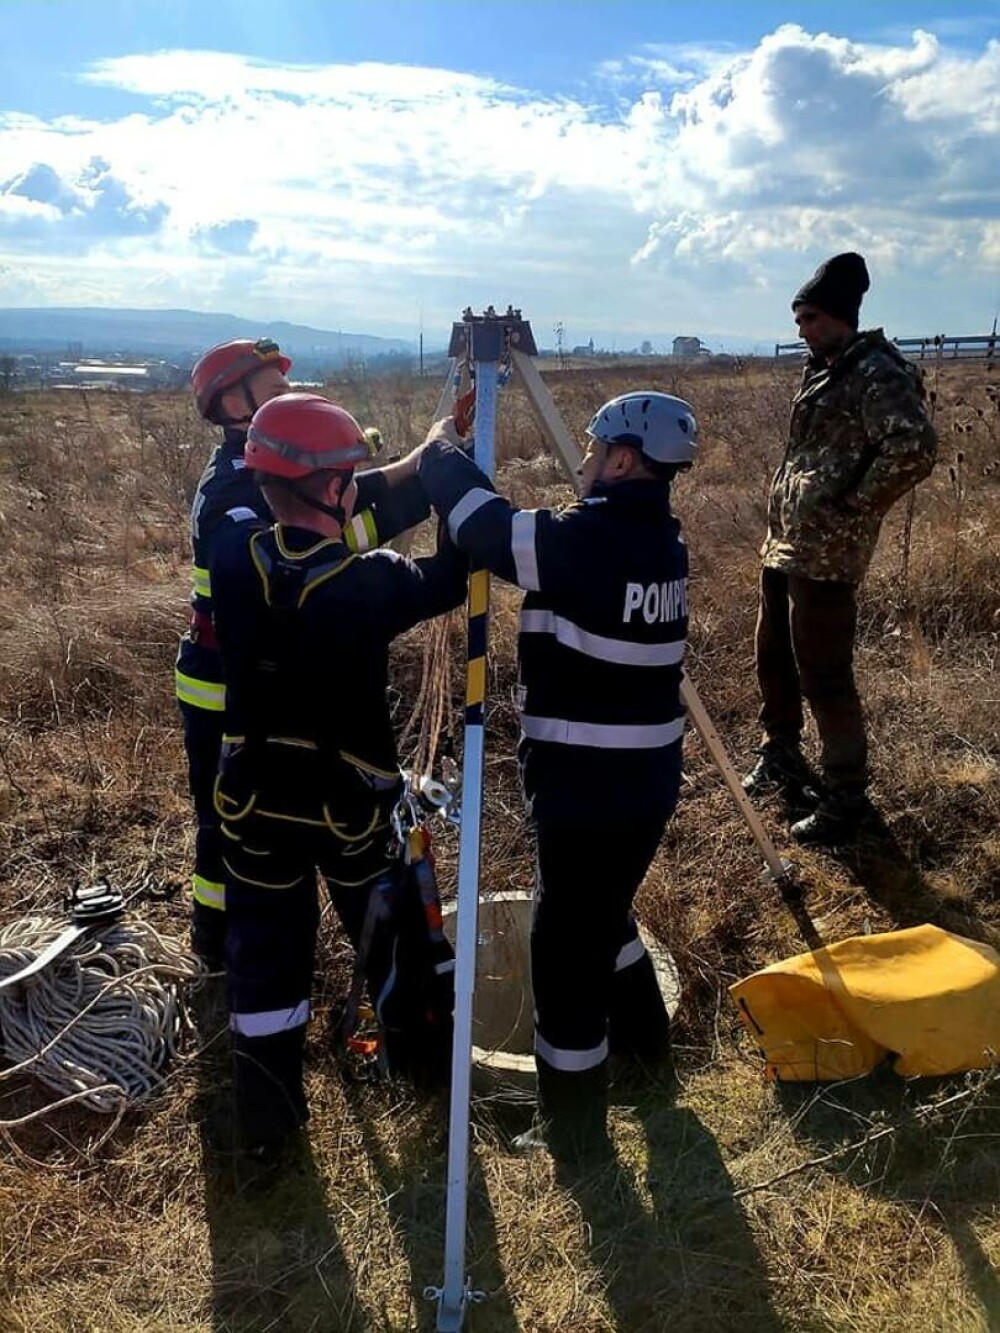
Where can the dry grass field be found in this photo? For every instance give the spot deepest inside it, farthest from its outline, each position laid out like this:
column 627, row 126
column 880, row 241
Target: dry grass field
column 738, row 1205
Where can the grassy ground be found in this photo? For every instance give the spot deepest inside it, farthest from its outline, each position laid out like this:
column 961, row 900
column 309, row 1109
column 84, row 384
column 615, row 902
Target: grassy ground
column 859, row 1207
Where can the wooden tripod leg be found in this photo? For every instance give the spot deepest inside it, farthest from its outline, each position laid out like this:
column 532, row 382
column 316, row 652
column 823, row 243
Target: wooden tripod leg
column 404, row 542
column 447, row 394
column 557, row 436
column 779, row 871
column 713, row 743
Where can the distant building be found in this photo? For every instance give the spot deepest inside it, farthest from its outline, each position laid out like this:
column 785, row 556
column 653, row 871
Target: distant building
column 689, row 347
column 99, row 375
column 142, row 376
column 101, row 370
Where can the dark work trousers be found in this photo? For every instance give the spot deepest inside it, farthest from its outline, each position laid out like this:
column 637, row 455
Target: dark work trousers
column 805, row 650
column 589, row 968
column 272, row 911
column 202, row 743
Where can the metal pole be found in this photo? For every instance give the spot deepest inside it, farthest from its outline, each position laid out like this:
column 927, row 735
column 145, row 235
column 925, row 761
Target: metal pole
column 456, row 1292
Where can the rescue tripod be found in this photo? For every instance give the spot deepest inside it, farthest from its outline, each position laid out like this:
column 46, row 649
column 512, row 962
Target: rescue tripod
column 492, row 348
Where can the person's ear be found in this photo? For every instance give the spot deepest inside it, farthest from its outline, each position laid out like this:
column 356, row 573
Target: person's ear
column 623, row 461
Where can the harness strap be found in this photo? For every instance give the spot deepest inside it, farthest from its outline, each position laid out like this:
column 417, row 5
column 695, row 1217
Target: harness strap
column 203, row 631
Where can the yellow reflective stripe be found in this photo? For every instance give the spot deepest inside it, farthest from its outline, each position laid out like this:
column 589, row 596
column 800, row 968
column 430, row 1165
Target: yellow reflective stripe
column 201, row 581
column 332, row 573
column 210, row 694
column 475, row 671
column 208, row 892
column 479, row 592
column 279, row 541
column 475, row 689
column 258, row 564
column 361, row 534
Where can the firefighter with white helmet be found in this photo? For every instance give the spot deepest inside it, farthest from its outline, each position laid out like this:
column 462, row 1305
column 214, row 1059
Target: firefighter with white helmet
column 309, row 774
column 661, row 427
column 602, row 635
column 230, row 381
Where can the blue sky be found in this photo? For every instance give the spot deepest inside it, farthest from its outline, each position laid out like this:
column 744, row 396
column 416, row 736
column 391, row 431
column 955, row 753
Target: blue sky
column 632, row 169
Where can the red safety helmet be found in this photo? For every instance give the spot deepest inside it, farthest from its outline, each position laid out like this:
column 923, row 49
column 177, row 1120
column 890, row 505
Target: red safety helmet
column 299, row 433
column 224, row 366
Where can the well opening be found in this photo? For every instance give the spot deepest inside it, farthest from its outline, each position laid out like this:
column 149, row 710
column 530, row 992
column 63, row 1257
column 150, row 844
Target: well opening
column 502, row 1020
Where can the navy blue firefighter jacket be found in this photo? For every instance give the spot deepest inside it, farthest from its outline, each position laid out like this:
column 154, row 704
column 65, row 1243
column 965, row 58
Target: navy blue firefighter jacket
column 313, row 666
column 601, row 638
column 227, row 494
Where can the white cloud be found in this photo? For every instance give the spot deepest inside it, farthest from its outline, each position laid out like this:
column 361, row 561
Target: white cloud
column 695, row 184
column 40, row 208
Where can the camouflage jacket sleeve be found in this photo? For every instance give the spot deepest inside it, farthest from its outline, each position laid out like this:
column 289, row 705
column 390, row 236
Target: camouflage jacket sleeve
column 901, row 442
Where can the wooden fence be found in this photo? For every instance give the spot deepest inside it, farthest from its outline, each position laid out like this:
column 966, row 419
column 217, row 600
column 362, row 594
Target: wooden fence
column 940, row 347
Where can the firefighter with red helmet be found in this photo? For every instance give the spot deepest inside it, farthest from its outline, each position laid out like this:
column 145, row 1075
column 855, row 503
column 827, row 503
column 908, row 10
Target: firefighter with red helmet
column 309, row 775
column 230, row 381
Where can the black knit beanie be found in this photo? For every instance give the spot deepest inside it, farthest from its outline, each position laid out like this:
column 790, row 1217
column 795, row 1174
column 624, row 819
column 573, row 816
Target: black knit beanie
column 837, row 287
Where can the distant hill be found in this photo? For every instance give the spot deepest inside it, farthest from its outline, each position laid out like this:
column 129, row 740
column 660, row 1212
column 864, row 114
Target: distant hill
column 178, row 335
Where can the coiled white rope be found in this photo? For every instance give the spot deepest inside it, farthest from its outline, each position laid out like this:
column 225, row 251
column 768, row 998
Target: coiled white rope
column 99, row 1024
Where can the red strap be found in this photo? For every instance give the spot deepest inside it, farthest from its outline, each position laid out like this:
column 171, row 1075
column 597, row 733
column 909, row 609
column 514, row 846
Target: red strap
column 203, row 631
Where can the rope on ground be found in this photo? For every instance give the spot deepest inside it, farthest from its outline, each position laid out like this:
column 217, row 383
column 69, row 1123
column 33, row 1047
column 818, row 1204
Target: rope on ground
column 101, row 1022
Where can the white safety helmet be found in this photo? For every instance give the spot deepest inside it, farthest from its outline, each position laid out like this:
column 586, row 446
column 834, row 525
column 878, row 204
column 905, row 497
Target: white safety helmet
column 659, row 425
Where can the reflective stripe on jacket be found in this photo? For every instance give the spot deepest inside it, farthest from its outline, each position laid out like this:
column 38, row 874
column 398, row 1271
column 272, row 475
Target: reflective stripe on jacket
column 602, row 632
column 227, row 494
column 304, row 629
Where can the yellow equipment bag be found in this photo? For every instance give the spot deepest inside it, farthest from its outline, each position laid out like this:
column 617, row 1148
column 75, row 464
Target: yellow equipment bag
column 929, row 998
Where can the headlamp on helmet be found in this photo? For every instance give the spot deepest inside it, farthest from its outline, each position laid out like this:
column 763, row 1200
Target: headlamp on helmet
column 228, row 364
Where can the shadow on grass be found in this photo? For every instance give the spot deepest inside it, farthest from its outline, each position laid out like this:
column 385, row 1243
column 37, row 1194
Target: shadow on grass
column 879, row 864
column 945, row 1172
column 410, row 1169
column 689, row 1262
column 277, row 1262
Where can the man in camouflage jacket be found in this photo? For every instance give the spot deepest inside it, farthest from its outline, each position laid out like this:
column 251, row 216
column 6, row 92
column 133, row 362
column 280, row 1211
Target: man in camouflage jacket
column 859, row 439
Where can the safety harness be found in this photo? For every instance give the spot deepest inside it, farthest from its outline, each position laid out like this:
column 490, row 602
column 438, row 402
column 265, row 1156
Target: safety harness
column 407, row 1026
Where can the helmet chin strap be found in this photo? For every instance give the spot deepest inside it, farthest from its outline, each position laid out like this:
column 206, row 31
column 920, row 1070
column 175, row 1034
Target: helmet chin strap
column 222, row 419
column 336, row 512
